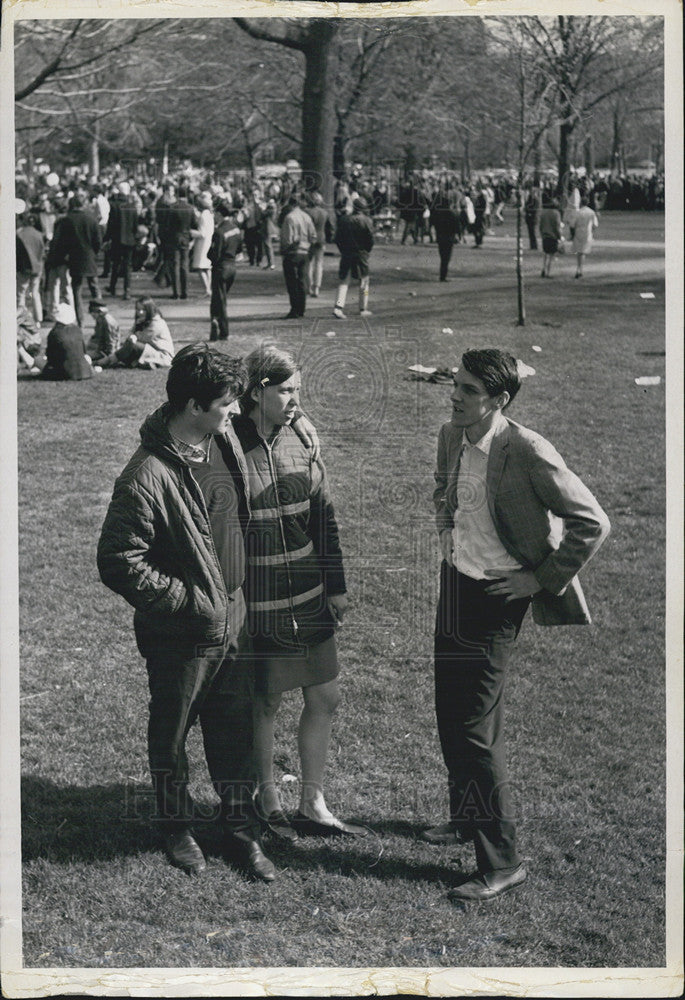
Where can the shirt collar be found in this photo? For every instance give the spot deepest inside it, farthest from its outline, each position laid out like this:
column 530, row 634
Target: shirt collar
column 486, row 441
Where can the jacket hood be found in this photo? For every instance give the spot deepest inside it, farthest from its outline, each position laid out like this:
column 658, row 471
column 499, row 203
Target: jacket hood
column 155, row 436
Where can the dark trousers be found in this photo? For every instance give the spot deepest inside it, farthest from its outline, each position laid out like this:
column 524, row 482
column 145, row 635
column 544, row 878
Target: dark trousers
column 294, row 271
column 479, row 229
column 121, row 266
column 532, row 225
column 445, row 244
column 252, row 245
column 223, row 276
column 179, row 272
column 93, row 288
column 215, row 684
column 474, row 636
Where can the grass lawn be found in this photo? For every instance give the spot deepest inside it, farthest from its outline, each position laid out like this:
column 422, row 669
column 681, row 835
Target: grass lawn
column 585, row 705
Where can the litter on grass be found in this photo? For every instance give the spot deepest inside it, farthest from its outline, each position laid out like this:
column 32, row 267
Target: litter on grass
column 422, row 374
column 647, row 295
column 536, row 348
column 648, row 380
column 447, row 329
column 351, row 376
column 288, row 778
column 523, row 369
column 330, row 333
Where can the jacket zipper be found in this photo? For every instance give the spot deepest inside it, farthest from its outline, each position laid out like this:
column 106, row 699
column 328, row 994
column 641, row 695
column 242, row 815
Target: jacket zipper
column 274, row 480
column 203, row 507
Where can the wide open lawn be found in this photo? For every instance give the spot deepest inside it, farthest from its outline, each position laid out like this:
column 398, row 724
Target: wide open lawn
column 585, row 705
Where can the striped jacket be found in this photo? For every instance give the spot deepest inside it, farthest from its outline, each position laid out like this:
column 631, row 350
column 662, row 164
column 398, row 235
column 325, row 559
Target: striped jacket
column 294, row 562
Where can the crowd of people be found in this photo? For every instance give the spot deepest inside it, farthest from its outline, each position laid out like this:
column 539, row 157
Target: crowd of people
column 200, row 224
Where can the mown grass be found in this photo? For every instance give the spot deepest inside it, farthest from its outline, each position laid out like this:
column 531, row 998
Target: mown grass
column 585, row 705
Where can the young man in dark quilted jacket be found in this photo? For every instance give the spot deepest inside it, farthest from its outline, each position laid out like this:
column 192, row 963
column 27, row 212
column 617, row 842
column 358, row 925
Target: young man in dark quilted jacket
column 172, row 545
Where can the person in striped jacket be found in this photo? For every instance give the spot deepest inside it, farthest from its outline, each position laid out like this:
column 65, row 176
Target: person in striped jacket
column 295, row 589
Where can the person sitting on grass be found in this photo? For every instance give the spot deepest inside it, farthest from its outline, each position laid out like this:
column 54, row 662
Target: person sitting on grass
column 65, row 351
column 29, row 343
column 149, row 345
column 105, row 338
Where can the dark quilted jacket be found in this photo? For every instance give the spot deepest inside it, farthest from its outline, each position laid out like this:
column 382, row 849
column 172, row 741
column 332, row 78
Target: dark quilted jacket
column 156, row 547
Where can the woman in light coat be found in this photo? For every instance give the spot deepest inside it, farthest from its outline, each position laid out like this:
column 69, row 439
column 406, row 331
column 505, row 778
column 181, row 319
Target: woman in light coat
column 202, row 238
column 585, row 222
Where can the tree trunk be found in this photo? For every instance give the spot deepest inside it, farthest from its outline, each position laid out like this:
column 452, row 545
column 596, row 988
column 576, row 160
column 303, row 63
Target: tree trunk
column 616, row 142
column 94, row 154
column 537, row 161
column 589, row 155
column 339, row 153
column 564, row 162
column 318, row 111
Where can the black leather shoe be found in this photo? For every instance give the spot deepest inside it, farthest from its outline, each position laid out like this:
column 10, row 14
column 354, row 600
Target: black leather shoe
column 445, row 833
column 312, row 828
column 488, row 885
column 184, row 852
column 244, row 847
column 277, row 824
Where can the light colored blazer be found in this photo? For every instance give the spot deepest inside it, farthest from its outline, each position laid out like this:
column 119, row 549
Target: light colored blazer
column 544, row 516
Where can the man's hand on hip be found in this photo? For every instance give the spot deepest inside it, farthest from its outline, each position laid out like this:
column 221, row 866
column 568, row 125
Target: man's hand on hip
column 520, row 583
column 446, row 545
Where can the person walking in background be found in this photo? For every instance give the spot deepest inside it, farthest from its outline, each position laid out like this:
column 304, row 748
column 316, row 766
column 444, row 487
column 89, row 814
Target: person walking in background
column 268, row 230
column 121, row 235
column 80, row 240
column 295, row 587
column 180, row 220
column 586, row 222
column 445, row 221
column 354, row 237
column 165, row 235
column 30, row 248
column 149, row 345
column 297, row 237
column 515, row 525
column 550, row 231
column 225, row 247
column 531, row 211
column 202, row 237
column 319, row 216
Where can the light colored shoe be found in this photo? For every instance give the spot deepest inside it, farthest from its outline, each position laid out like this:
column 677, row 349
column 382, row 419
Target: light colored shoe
column 366, row 312
column 339, row 313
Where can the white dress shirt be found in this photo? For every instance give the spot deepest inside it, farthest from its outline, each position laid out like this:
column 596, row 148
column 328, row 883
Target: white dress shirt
column 477, row 551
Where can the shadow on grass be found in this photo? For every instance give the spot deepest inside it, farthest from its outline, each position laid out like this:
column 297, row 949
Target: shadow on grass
column 64, row 824
column 74, row 823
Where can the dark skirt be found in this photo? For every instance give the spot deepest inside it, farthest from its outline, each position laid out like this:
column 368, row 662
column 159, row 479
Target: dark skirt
column 550, row 244
column 297, row 668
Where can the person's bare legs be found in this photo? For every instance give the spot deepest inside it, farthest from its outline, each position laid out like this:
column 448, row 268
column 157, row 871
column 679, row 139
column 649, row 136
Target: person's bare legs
column 314, row 734
column 264, row 713
column 579, row 265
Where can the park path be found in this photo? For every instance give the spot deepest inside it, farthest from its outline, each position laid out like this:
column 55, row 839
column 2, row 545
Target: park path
column 398, row 271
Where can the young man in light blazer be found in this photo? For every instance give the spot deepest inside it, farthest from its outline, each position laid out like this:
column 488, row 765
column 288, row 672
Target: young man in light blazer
column 515, row 526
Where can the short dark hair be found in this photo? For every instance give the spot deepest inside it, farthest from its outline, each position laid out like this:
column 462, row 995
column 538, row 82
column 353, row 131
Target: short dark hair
column 497, row 371
column 76, row 201
column 203, row 373
column 266, row 365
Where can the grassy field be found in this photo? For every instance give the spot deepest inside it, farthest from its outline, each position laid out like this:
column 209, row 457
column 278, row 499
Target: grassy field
column 585, row 705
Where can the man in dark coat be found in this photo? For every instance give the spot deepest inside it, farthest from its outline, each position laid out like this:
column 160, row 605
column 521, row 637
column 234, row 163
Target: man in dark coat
column 354, row 238
column 164, row 237
column 445, row 221
column 180, row 220
column 173, row 546
column 30, row 250
column 121, row 233
column 65, row 351
column 80, row 240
